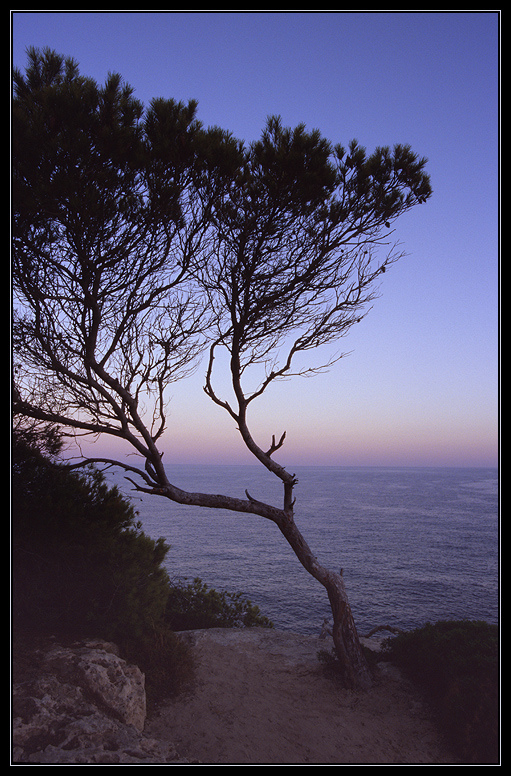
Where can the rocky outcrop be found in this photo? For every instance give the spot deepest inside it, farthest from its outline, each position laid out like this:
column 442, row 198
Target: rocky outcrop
column 82, row 704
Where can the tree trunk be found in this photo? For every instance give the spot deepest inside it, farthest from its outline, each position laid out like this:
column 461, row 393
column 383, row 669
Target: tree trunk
column 347, row 645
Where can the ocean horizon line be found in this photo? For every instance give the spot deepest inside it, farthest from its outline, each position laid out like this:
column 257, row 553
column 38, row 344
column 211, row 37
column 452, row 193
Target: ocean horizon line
column 289, row 466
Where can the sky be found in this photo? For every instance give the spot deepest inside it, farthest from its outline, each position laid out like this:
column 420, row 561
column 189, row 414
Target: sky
column 420, row 386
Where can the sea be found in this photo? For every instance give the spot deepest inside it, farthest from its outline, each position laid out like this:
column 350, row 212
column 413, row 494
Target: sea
column 416, row 545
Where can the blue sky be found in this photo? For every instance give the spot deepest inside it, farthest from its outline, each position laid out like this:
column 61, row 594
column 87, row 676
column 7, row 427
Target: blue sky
column 420, row 386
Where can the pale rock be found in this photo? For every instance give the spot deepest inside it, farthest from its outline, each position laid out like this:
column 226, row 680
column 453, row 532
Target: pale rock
column 114, row 684
column 84, row 705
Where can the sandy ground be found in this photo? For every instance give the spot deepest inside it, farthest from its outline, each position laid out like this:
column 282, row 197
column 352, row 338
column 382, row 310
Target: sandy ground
column 262, row 697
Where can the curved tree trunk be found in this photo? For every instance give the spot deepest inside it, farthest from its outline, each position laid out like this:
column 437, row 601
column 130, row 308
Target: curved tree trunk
column 345, row 636
column 346, row 641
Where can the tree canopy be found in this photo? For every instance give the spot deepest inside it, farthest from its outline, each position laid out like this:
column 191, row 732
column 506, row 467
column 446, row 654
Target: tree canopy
column 141, row 238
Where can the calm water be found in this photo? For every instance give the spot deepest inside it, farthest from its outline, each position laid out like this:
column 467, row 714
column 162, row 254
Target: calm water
column 416, row 545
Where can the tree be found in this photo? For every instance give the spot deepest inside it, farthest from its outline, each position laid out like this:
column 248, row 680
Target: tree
column 142, row 241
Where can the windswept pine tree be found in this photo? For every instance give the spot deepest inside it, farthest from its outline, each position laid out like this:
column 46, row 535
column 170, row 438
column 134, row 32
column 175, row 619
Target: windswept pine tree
column 145, row 245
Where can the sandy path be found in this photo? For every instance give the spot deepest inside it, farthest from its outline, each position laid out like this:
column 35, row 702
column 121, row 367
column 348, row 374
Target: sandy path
column 261, row 697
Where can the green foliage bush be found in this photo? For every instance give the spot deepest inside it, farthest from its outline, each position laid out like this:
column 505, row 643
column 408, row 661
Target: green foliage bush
column 83, row 567
column 81, row 563
column 457, row 663
column 195, row 605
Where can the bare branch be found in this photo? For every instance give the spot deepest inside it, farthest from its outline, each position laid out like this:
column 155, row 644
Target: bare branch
column 275, row 446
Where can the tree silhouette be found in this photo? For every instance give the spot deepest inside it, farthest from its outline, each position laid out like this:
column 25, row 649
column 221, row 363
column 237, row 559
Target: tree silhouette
column 143, row 242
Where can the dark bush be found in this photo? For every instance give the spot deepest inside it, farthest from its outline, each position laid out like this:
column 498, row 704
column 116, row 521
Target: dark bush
column 195, row 605
column 166, row 660
column 457, row 664
column 81, row 563
column 82, row 566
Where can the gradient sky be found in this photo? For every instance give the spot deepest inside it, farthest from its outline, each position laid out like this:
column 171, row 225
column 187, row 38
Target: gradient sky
column 420, row 386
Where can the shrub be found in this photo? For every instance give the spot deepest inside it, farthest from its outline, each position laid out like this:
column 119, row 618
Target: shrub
column 81, row 563
column 457, row 663
column 82, row 566
column 166, row 660
column 195, row 605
